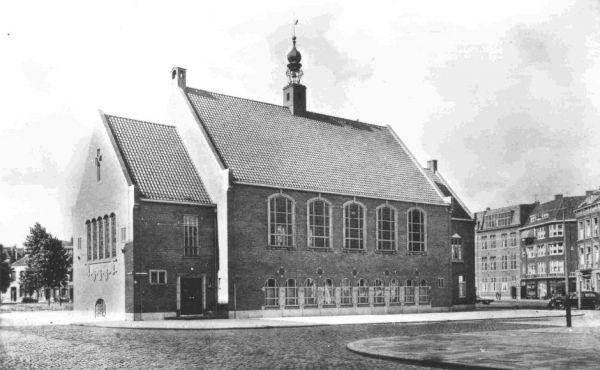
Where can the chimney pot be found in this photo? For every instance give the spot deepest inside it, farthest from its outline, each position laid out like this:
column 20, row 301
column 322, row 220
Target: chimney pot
column 432, row 165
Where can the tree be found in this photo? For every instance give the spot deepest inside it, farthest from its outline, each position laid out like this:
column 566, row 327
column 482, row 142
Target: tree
column 47, row 263
column 4, row 270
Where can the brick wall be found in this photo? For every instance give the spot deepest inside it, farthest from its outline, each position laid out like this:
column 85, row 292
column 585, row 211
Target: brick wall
column 466, row 229
column 159, row 245
column 251, row 263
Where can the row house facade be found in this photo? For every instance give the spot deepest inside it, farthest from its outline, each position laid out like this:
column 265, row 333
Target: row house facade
column 257, row 209
column 549, row 248
column 588, row 242
column 498, row 261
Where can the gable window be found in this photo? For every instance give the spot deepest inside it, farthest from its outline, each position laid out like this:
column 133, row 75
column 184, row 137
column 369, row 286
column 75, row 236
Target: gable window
column 158, row 277
column 416, row 230
column 271, row 293
column 310, row 292
column 354, row 226
column 346, row 292
column 319, row 223
column 88, row 227
column 456, row 243
column 281, row 221
column 190, row 235
column 386, row 228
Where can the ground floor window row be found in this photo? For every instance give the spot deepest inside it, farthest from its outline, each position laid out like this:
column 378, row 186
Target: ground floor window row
column 293, row 293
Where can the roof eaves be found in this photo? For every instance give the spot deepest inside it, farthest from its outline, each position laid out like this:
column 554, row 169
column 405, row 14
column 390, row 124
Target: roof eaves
column 419, row 167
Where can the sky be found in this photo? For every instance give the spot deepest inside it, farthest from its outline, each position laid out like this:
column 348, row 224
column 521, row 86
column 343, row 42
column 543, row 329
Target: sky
column 505, row 95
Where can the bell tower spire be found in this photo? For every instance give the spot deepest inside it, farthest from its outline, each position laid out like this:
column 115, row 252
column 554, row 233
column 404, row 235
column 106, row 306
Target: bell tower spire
column 294, row 94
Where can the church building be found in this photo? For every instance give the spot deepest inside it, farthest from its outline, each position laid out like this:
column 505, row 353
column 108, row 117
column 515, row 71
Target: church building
column 249, row 209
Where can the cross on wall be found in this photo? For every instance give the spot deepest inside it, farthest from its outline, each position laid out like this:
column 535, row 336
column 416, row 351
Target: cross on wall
column 97, row 161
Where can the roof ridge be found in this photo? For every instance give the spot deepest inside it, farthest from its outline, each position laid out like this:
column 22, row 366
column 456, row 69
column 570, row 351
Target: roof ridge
column 281, row 106
column 139, row 120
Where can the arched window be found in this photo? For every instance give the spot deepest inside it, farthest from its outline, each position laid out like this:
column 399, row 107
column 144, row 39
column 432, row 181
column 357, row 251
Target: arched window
column 106, row 237
column 354, row 226
column 346, row 292
column 88, row 227
column 386, row 228
column 100, row 308
column 416, row 230
column 94, row 240
column 394, row 291
column 100, row 238
column 113, row 232
column 291, row 293
column 271, row 293
column 409, row 292
column 319, row 223
column 310, row 292
column 363, row 291
column 378, row 292
column 328, row 292
column 281, row 221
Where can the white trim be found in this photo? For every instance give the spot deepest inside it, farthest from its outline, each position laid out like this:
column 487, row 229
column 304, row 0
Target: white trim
column 157, row 277
column 177, row 202
column 386, row 205
column 364, row 236
column 308, row 202
column 411, row 201
column 291, row 199
column 416, row 163
column 546, row 223
column 462, row 219
column 425, row 226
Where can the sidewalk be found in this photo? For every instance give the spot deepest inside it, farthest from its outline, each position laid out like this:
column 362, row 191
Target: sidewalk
column 556, row 347
column 66, row 318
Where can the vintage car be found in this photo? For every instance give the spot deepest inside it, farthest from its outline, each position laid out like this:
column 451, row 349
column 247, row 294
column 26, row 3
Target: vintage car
column 589, row 300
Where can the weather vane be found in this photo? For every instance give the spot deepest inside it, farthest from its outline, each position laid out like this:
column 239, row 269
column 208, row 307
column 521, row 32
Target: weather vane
column 294, row 26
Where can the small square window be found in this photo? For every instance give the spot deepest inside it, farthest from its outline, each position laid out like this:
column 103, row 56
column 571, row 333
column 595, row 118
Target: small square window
column 440, row 282
column 158, row 277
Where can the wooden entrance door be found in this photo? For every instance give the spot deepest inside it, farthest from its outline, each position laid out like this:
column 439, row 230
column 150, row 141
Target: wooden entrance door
column 191, row 296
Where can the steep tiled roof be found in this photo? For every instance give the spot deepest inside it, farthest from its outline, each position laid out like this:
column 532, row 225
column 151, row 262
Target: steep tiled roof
column 157, row 161
column 265, row 144
column 458, row 209
column 554, row 209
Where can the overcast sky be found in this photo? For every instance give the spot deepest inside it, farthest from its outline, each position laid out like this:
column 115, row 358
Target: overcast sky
column 506, row 95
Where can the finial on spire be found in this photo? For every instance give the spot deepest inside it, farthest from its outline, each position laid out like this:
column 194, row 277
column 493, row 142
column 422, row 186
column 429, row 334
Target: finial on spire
column 294, row 72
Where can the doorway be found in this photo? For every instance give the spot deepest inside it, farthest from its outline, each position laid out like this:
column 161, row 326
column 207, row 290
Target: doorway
column 13, row 294
column 190, row 296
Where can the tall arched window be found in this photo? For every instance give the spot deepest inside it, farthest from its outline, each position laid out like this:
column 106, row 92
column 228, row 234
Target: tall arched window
column 271, row 293
column 416, row 230
column 281, row 221
column 456, row 242
column 88, row 227
column 354, row 226
column 94, row 240
column 346, row 292
column 394, row 291
column 409, row 292
column 113, row 232
column 363, row 291
column 291, row 293
column 328, row 292
column 106, row 237
column 310, row 292
column 319, row 223
column 100, row 238
column 386, row 228
column 378, row 291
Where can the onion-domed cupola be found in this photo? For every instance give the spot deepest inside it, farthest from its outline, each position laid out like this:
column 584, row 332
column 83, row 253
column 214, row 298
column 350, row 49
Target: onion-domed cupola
column 294, row 71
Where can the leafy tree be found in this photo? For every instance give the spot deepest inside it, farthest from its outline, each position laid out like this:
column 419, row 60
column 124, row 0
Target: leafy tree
column 4, row 270
column 48, row 262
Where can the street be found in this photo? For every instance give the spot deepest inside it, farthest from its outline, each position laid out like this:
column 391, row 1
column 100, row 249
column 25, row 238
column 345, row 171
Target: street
column 69, row 347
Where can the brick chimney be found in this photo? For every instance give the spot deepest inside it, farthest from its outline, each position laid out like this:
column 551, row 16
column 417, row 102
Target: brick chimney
column 178, row 76
column 558, row 196
column 432, row 165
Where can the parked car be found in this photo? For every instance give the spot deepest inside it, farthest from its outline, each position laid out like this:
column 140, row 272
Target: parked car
column 590, row 300
column 478, row 299
column 29, row 300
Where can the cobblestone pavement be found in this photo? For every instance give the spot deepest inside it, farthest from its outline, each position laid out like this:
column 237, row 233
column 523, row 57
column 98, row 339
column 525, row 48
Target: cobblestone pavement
column 77, row 347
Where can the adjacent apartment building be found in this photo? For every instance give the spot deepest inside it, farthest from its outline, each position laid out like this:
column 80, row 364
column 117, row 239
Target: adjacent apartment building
column 548, row 245
column 588, row 242
column 497, row 251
